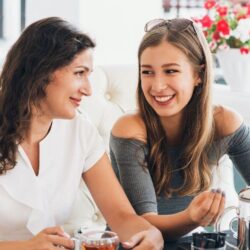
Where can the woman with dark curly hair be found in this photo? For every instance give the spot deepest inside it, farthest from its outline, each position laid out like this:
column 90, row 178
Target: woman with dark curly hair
column 46, row 146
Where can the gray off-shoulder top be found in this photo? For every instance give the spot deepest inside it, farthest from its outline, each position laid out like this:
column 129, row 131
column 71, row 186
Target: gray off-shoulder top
column 127, row 156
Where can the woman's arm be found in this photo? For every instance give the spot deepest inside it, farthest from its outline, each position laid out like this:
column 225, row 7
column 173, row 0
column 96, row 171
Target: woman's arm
column 128, row 156
column 234, row 138
column 14, row 245
column 204, row 210
column 115, row 207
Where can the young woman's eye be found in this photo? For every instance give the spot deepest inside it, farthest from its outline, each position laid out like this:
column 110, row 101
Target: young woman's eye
column 146, row 72
column 171, row 71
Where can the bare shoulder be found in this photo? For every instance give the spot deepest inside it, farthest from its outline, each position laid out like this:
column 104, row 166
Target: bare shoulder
column 130, row 126
column 227, row 120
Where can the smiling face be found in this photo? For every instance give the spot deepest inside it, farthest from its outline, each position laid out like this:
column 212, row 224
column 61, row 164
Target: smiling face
column 167, row 79
column 67, row 87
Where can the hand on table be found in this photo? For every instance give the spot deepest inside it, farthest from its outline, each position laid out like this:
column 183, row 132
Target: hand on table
column 206, row 208
column 53, row 238
column 150, row 239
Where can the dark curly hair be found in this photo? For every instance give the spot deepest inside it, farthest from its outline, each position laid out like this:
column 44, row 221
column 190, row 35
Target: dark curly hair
column 42, row 48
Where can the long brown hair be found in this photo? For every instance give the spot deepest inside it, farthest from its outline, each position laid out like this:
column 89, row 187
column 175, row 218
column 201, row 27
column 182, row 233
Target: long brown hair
column 43, row 47
column 198, row 127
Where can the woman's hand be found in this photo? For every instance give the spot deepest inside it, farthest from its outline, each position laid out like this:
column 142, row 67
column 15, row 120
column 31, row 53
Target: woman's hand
column 53, row 238
column 206, row 208
column 150, row 239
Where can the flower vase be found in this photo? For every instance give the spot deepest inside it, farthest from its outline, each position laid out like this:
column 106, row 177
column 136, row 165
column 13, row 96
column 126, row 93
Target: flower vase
column 235, row 68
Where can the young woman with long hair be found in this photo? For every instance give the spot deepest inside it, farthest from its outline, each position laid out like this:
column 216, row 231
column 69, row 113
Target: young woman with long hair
column 165, row 154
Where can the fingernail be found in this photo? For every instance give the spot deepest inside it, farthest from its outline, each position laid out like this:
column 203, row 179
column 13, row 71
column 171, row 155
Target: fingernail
column 126, row 244
column 213, row 190
column 218, row 190
column 66, row 235
column 223, row 194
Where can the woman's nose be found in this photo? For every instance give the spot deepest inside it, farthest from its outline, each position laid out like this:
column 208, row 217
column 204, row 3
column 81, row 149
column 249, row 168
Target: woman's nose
column 86, row 88
column 159, row 84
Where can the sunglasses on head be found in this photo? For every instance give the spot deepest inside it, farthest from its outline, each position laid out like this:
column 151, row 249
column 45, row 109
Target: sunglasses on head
column 176, row 24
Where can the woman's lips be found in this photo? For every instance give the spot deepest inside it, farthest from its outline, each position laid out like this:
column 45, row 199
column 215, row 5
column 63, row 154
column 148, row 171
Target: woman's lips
column 75, row 101
column 164, row 100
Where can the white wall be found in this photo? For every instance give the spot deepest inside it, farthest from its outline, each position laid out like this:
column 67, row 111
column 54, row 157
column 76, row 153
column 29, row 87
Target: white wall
column 11, row 27
column 35, row 9
column 67, row 9
column 117, row 26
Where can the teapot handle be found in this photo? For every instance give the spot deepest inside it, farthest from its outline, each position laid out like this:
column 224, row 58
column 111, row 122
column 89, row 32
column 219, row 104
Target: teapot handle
column 77, row 243
column 218, row 223
column 226, row 210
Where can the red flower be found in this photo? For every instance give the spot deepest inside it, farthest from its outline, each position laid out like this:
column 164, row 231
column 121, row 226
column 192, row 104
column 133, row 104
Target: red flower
column 196, row 19
column 244, row 50
column 206, row 22
column 205, row 33
column 248, row 9
column 209, row 4
column 222, row 10
column 223, row 27
column 216, row 36
column 243, row 16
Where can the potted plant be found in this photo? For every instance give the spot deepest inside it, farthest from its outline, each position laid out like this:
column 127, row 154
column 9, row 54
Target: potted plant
column 226, row 27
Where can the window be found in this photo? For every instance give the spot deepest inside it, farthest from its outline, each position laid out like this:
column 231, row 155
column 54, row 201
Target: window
column 23, row 7
column 1, row 19
column 182, row 7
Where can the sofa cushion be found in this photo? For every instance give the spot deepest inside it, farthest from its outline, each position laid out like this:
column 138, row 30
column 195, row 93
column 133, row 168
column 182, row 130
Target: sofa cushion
column 114, row 90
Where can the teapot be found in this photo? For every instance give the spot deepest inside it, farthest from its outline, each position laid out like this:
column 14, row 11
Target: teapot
column 243, row 218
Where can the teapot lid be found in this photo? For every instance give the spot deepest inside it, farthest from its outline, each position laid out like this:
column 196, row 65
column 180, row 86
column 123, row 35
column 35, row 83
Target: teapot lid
column 244, row 194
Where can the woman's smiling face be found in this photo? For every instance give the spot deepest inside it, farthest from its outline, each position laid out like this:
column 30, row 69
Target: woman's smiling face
column 67, row 87
column 167, row 79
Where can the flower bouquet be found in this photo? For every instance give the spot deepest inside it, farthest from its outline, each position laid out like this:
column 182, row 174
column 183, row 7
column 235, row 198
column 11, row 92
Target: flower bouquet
column 226, row 25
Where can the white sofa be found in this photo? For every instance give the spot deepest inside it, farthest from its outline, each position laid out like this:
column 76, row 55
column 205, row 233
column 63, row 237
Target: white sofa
column 114, row 90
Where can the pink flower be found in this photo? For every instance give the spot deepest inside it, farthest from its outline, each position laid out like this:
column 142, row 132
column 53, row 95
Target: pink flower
column 205, row 33
column 216, row 36
column 226, row 25
column 223, row 27
column 248, row 10
column 223, row 46
column 209, row 4
column 212, row 45
column 241, row 17
column 196, row 19
column 244, row 50
column 206, row 21
column 222, row 10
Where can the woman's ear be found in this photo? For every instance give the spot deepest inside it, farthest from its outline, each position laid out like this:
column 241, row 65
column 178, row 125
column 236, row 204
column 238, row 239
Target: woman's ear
column 199, row 74
column 197, row 79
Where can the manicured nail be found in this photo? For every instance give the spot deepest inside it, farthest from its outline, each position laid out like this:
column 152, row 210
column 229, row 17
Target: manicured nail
column 64, row 234
column 67, row 235
column 218, row 190
column 213, row 190
column 126, row 244
column 223, row 194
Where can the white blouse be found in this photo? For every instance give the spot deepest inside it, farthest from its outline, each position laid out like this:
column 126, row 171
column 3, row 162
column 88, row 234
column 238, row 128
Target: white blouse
column 30, row 203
